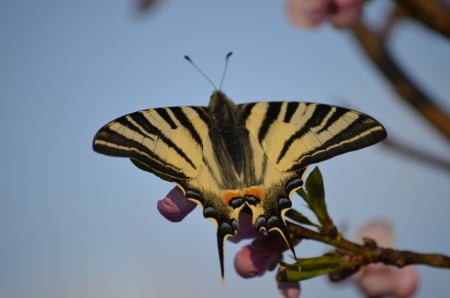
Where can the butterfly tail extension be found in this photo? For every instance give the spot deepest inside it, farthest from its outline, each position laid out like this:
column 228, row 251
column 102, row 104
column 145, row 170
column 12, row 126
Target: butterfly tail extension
column 224, row 217
column 226, row 227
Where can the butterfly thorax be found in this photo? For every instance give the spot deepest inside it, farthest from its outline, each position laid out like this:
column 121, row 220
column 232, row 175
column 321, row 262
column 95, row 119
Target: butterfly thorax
column 229, row 138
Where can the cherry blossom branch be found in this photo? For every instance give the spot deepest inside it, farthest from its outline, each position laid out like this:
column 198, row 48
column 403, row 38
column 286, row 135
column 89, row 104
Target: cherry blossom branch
column 417, row 154
column 348, row 257
column 375, row 48
column 370, row 252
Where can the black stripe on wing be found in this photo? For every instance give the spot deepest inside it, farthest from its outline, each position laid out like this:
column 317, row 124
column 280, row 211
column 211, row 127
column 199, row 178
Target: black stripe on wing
column 139, row 136
column 272, row 114
column 362, row 132
column 316, row 132
column 320, row 112
column 183, row 119
column 110, row 142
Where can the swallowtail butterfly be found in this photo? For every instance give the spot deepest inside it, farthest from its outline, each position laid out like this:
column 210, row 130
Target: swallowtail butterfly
column 227, row 157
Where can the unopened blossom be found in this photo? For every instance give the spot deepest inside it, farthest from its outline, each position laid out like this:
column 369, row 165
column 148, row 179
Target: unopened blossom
column 312, row 13
column 253, row 261
column 175, row 206
column 379, row 280
column 262, row 255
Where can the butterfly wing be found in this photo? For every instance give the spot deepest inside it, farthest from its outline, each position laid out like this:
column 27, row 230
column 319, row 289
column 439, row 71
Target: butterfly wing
column 289, row 136
column 259, row 167
column 297, row 134
column 174, row 144
column 165, row 141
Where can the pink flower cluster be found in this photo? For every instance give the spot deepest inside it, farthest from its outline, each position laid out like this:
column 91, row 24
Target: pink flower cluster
column 312, row 13
column 378, row 280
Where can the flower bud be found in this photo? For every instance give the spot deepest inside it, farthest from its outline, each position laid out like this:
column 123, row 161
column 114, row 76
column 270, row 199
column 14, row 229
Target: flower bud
column 175, row 206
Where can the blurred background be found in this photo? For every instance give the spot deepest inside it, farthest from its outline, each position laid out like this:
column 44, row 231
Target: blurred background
column 76, row 224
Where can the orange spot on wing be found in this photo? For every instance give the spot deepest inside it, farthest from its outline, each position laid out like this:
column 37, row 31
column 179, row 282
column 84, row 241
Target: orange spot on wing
column 255, row 191
column 229, row 195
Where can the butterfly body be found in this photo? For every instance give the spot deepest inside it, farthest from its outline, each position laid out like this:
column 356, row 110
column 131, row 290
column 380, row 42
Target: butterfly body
column 228, row 157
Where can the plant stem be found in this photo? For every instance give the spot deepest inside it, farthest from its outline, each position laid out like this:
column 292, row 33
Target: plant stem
column 370, row 252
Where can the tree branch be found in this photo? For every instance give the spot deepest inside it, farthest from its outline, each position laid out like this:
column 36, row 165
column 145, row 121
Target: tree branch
column 433, row 14
column 375, row 48
column 370, row 252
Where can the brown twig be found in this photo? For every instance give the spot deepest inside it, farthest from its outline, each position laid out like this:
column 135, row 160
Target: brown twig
column 370, row 252
column 433, row 14
column 417, row 154
column 375, row 48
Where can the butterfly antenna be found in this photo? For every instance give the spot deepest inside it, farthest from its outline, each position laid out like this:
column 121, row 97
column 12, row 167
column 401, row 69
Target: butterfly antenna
column 200, row 71
column 225, row 69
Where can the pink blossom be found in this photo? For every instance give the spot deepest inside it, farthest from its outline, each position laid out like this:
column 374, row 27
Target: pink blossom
column 246, row 229
column 288, row 289
column 377, row 280
column 264, row 252
column 175, row 206
column 253, row 261
column 312, row 13
column 262, row 255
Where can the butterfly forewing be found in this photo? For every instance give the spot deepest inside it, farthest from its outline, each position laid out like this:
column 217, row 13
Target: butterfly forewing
column 165, row 141
column 296, row 134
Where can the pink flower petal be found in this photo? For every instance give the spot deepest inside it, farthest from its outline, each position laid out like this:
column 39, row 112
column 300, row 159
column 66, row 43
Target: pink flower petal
column 407, row 282
column 388, row 281
column 288, row 289
column 347, row 13
column 175, row 206
column 379, row 230
column 376, row 282
column 251, row 261
column 312, row 13
column 379, row 279
column 306, row 13
column 246, row 229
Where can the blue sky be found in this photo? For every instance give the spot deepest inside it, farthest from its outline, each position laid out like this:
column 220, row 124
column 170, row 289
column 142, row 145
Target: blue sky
column 76, row 224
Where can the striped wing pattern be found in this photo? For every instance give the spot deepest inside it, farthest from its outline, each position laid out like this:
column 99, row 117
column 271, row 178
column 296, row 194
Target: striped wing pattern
column 229, row 158
column 297, row 134
column 165, row 141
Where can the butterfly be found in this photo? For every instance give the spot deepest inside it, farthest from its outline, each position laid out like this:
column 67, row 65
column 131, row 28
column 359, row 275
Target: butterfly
column 229, row 158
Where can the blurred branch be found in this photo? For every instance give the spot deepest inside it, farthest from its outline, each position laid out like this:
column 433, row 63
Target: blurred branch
column 375, row 48
column 147, row 5
column 433, row 14
column 417, row 154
